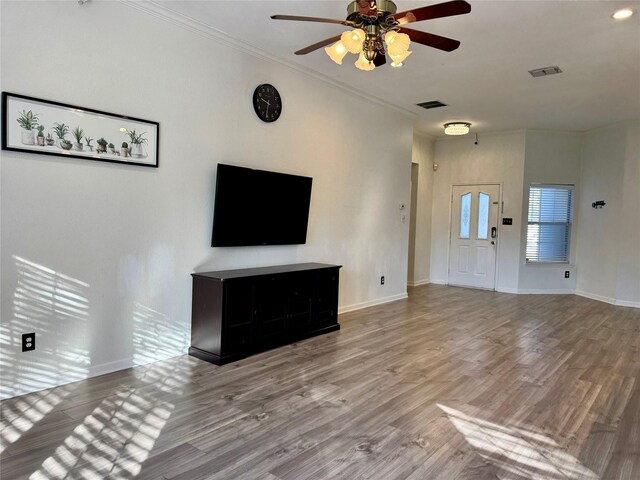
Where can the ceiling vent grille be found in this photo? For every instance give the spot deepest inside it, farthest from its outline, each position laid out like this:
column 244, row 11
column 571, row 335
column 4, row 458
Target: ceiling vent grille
column 544, row 71
column 431, row 104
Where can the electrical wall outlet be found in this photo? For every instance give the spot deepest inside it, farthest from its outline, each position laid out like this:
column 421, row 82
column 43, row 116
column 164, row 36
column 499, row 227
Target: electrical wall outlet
column 566, row 274
column 382, row 280
column 28, row 341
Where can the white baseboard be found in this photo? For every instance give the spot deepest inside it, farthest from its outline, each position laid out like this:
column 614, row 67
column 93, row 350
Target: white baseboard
column 610, row 300
column 507, row 290
column 626, row 303
column 93, row 371
column 594, row 296
column 538, row 291
column 417, row 283
column 109, row 367
column 372, row 303
column 438, row 282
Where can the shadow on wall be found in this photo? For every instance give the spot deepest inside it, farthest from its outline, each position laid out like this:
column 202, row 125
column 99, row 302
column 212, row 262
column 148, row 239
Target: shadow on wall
column 50, row 304
column 150, row 277
column 155, row 336
column 117, row 436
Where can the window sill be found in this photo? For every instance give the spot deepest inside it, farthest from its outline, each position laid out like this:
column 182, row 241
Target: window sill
column 542, row 264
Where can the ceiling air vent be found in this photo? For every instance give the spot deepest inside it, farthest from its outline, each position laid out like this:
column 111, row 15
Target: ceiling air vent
column 543, row 72
column 431, row 104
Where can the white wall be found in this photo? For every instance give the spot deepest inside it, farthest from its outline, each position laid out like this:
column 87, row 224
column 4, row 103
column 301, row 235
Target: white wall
column 550, row 157
column 96, row 257
column 604, row 164
column 423, row 156
column 498, row 158
column 608, row 253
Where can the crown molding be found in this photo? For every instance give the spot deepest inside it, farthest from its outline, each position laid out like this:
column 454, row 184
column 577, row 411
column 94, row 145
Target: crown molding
column 481, row 135
column 161, row 12
column 422, row 133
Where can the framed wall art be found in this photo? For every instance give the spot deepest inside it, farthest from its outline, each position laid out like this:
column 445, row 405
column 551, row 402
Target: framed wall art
column 41, row 126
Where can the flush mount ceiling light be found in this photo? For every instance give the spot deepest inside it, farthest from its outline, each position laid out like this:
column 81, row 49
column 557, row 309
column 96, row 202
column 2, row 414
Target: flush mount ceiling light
column 623, row 13
column 378, row 32
column 456, row 128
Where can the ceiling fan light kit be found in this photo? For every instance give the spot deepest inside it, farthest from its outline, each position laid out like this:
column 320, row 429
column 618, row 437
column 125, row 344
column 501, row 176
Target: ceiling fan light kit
column 363, row 64
column 379, row 31
column 337, row 52
column 456, row 128
column 353, row 40
column 399, row 58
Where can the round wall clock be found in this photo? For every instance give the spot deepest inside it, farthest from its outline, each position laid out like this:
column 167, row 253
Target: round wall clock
column 267, row 102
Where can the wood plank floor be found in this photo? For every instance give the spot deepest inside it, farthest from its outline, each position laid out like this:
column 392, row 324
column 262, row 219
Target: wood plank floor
column 449, row 384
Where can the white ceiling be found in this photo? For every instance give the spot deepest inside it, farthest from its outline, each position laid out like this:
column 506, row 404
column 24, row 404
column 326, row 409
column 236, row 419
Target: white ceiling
column 486, row 81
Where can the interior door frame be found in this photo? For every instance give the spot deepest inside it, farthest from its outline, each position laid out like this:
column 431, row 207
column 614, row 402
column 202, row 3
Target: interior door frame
column 500, row 186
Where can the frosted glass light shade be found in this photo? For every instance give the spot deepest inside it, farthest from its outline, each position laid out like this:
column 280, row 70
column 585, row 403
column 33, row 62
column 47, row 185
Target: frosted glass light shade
column 622, row 14
column 353, row 40
column 398, row 59
column 363, row 64
column 397, row 43
column 456, row 128
column 336, row 52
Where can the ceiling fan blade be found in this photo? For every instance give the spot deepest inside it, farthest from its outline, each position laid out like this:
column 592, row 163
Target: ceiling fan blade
column 431, row 40
column 447, row 9
column 380, row 59
column 348, row 23
column 316, row 46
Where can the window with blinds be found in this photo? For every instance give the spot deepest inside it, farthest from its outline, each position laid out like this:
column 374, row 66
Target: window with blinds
column 549, row 223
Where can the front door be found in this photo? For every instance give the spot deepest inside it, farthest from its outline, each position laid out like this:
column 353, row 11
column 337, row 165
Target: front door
column 474, row 235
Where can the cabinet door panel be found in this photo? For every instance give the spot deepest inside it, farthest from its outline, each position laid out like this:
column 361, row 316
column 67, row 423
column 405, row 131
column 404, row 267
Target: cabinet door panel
column 237, row 339
column 326, row 304
column 239, row 302
column 301, row 286
column 271, row 298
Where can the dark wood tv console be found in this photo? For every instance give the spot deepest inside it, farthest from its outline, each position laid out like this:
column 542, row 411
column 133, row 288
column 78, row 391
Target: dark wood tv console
column 236, row 313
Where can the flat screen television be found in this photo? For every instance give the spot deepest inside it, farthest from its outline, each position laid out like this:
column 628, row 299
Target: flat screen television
column 257, row 207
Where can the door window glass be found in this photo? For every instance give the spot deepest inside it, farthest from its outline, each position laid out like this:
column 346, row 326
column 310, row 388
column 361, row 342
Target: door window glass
column 483, row 216
column 465, row 215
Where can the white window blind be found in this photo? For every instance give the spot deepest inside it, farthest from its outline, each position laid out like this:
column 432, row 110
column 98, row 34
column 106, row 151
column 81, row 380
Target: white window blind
column 549, row 223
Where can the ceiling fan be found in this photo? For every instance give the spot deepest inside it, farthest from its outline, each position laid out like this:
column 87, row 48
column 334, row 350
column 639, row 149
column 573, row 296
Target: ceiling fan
column 376, row 25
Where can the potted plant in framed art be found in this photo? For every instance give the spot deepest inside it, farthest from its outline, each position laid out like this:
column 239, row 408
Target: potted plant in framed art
column 136, row 140
column 28, row 121
column 102, row 145
column 61, row 130
column 49, row 140
column 78, row 133
column 40, row 137
column 124, row 151
column 88, row 139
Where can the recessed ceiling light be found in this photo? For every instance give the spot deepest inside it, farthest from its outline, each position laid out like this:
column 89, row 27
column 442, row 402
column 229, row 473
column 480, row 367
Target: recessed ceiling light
column 623, row 13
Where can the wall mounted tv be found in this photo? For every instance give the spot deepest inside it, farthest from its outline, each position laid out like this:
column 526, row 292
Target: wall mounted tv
column 257, row 207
